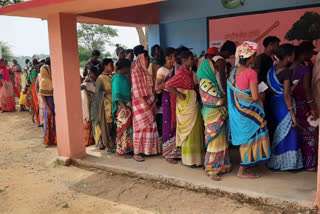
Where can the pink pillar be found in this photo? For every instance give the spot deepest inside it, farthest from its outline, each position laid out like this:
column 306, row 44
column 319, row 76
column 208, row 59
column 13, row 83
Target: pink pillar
column 66, row 84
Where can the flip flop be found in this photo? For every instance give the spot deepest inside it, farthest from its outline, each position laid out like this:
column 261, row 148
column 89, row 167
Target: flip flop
column 138, row 159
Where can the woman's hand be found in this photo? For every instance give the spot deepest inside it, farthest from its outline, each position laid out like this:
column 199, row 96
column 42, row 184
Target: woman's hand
column 295, row 121
column 314, row 115
column 181, row 96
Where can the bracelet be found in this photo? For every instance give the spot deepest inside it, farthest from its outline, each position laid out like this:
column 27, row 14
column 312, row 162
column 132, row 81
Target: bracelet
column 310, row 101
column 290, row 108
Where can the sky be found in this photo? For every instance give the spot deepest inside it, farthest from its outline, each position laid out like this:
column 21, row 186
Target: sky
column 28, row 36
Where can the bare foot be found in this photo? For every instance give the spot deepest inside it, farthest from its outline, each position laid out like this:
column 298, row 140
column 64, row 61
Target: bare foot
column 214, row 177
column 311, row 170
column 172, row 161
column 245, row 174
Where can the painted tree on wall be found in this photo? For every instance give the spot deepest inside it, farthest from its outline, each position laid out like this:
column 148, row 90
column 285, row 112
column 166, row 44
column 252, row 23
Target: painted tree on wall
column 4, row 3
column 306, row 28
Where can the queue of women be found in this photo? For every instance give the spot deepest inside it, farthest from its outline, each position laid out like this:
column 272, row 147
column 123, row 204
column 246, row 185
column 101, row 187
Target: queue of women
column 192, row 111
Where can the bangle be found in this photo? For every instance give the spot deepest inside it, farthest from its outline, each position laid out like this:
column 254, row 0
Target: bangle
column 310, row 101
column 290, row 108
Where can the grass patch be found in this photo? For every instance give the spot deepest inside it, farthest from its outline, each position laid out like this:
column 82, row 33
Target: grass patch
column 2, row 190
column 66, row 205
column 55, row 164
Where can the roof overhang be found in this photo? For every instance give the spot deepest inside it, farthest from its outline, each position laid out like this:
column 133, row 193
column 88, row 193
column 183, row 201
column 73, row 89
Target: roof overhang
column 112, row 12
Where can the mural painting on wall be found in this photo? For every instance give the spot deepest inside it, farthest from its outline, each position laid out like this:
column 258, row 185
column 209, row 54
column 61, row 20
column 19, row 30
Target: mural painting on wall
column 231, row 4
column 290, row 26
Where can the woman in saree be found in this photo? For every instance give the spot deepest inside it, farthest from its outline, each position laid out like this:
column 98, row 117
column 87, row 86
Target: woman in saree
column 6, row 90
column 214, row 113
column 247, row 117
column 46, row 93
column 35, row 102
column 306, row 107
column 189, row 135
column 121, row 108
column 41, row 104
column 170, row 151
column 286, row 152
column 88, row 90
column 145, row 133
column 105, row 133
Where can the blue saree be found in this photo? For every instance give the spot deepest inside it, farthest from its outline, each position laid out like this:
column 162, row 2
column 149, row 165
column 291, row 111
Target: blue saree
column 286, row 153
column 248, row 125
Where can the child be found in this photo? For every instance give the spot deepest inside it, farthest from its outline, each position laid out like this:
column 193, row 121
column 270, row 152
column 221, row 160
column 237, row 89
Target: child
column 23, row 99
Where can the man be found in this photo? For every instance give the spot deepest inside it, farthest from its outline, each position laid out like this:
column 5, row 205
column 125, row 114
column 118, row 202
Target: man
column 227, row 50
column 137, row 50
column 129, row 55
column 211, row 52
column 94, row 61
column 264, row 61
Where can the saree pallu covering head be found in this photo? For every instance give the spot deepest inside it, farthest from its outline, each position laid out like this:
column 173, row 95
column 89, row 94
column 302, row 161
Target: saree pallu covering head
column 286, row 153
column 245, row 50
column 248, row 125
column 7, row 100
column 214, row 113
column 46, row 88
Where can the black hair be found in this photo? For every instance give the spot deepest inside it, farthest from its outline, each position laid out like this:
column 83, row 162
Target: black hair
column 107, row 61
column 96, row 53
column 43, row 61
column 48, row 61
column 94, row 69
column 186, row 54
column 123, row 63
column 128, row 51
column 229, row 46
column 169, row 51
column 307, row 46
column 146, row 53
column 243, row 61
column 27, row 61
column 137, row 50
column 119, row 50
column 284, row 50
column 153, row 50
column 298, row 51
column 35, row 62
column 270, row 40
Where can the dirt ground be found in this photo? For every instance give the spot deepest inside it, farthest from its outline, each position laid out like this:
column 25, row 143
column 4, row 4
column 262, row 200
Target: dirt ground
column 32, row 182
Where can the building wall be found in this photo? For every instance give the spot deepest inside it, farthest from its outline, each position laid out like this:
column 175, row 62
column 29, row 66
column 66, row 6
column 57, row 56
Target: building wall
column 184, row 21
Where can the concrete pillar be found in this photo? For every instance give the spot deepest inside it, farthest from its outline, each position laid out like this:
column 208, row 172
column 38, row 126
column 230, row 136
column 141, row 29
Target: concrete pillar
column 66, row 84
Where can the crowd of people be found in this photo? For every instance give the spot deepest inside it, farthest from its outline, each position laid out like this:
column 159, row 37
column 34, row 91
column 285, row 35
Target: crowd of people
column 188, row 109
column 32, row 85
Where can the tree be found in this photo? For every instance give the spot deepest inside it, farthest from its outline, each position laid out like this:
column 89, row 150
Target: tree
column 6, row 51
column 4, row 3
column 95, row 37
column 306, row 28
column 143, row 37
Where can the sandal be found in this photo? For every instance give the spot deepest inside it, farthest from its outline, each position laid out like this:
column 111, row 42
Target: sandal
column 138, row 158
column 171, row 161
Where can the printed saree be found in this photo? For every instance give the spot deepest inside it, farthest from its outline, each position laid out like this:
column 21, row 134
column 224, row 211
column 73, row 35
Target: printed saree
column 248, row 125
column 7, row 100
column 214, row 113
column 286, row 153
column 121, row 91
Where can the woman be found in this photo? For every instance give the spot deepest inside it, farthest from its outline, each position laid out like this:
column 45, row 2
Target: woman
column 121, row 108
column 46, row 92
column 88, row 90
column 302, row 93
column 214, row 112
column 105, row 134
column 247, row 117
column 156, row 61
column 6, row 89
column 35, row 101
column 16, row 68
column 189, row 122
column 41, row 104
column 170, row 151
column 145, row 132
column 286, row 153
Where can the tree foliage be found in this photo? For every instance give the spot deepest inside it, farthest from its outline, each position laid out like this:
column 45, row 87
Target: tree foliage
column 4, row 3
column 306, row 28
column 95, row 37
column 6, row 51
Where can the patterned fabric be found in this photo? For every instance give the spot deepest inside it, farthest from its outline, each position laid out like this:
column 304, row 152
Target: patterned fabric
column 46, row 88
column 145, row 132
column 214, row 113
column 248, row 125
column 124, row 131
column 50, row 137
column 307, row 135
column 286, row 153
column 245, row 50
column 35, row 102
column 6, row 91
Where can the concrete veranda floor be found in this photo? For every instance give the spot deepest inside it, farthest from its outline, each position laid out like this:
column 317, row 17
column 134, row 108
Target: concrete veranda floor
column 298, row 188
